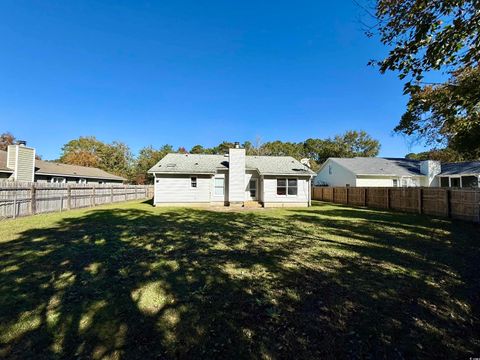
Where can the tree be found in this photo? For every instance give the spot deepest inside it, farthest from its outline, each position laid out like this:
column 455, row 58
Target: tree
column 447, row 114
column 117, row 158
column 443, row 155
column 425, row 36
column 197, row 149
column 6, row 139
column 350, row 144
column 146, row 159
column 88, row 151
column 84, row 151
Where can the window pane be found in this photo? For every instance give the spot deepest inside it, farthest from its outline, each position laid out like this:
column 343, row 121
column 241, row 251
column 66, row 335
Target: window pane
column 253, row 184
column 292, row 190
column 193, row 182
column 281, row 191
column 292, row 182
column 444, row 181
column 281, row 182
column 219, row 186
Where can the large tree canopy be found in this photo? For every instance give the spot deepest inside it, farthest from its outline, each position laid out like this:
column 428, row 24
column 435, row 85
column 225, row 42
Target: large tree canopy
column 88, row 151
column 425, row 36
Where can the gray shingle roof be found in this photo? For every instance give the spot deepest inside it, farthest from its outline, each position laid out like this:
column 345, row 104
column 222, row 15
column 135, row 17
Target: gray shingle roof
column 210, row 164
column 380, row 166
column 461, row 168
column 53, row 168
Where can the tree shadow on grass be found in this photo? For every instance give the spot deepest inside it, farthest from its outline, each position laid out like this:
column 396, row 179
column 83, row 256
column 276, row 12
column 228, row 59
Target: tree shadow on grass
column 134, row 283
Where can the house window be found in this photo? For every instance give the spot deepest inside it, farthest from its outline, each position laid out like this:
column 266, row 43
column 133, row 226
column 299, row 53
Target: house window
column 58, row 180
column 455, row 182
column 193, row 182
column 444, row 182
column 82, row 181
column 330, row 171
column 287, row 186
column 395, row 183
column 292, row 187
column 102, row 182
column 281, row 186
column 252, row 186
column 219, row 186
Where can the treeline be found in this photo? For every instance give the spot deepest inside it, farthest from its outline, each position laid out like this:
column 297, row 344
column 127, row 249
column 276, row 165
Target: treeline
column 117, row 158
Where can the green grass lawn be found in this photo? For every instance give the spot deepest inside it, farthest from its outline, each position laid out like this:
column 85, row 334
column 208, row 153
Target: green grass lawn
column 134, row 281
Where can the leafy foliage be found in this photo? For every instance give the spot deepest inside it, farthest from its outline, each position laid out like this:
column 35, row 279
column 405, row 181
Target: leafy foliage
column 88, row 151
column 426, row 36
column 6, row 139
column 443, row 155
column 350, row 144
column 148, row 157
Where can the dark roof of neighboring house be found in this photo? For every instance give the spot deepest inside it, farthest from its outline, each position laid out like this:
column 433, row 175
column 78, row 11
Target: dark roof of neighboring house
column 461, row 168
column 380, row 166
column 58, row 169
column 209, row 164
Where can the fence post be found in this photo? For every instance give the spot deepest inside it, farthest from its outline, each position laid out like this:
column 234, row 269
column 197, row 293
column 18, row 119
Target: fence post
column 69, row 197
column 448, row 199
column 347, row 194
column 365, row 197
column 33, row 199
column 388, row 198
column 125, row 191
column 420, row 200
column 93, row 195
column 15, row 204
column 111, row 193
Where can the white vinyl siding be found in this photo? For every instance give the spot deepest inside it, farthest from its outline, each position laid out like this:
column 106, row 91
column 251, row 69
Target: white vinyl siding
column 333, row 174
column 270, row 191
column 388, row 181
column 236, row 178
column 177, row 189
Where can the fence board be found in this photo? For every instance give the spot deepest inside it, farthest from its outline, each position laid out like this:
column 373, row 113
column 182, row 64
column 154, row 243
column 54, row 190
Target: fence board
column 456, row 203
column 22, row 199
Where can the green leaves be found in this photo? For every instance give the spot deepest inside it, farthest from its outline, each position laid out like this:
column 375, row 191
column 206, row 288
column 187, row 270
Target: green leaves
column 426, row 36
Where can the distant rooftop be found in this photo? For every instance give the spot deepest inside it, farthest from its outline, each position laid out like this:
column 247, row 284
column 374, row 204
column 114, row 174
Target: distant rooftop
column 54, row 168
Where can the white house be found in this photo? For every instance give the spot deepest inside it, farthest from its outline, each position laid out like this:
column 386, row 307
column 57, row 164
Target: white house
column 231, row 179
column 392, row 172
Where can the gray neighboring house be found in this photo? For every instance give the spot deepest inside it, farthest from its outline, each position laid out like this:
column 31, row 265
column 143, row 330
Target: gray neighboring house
column 231, row 179
column 18, row 163
column 396, row 172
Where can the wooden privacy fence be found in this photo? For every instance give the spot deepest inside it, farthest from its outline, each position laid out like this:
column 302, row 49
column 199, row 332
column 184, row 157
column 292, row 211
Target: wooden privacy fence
column 22, row 199
column 455, row 203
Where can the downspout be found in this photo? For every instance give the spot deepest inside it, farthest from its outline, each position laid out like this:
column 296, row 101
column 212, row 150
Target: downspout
column 310, row 191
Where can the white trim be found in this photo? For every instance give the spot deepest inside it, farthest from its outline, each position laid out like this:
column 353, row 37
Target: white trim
column 64, row 180
column 286, row 187
column 79, row 176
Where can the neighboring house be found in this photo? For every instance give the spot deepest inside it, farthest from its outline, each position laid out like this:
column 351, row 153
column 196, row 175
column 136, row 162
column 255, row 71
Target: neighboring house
column 391, row 172
column 231, row 179
column 18, row 163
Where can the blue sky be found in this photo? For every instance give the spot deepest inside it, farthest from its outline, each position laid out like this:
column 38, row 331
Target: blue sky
column 192, row 72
